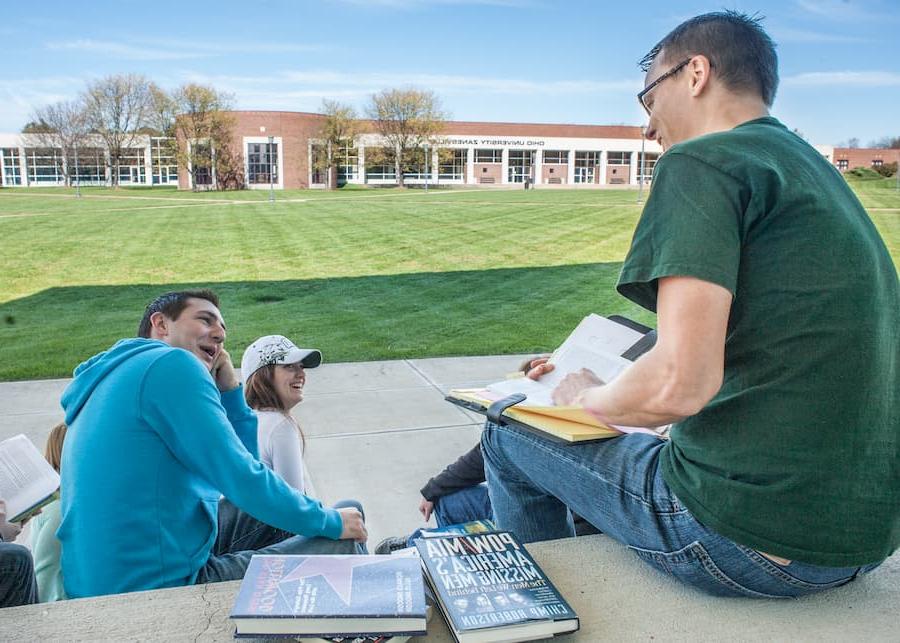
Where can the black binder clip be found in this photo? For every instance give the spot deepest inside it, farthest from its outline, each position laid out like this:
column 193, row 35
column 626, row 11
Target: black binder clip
column 496, row 409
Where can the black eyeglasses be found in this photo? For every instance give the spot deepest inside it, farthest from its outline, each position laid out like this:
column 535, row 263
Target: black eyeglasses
column 643, row 93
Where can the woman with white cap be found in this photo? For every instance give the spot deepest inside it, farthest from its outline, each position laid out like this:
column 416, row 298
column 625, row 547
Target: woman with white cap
column 274, row 372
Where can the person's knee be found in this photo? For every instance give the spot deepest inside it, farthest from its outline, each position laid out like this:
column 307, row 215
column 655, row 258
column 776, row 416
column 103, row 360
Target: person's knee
column 17, row 560
column 351, row 504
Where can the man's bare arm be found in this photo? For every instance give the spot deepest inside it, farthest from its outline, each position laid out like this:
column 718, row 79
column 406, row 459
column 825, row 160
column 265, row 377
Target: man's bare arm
column 679, row 375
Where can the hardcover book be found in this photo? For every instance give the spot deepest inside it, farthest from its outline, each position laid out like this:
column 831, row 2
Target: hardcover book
column 606, row 346
column 490, row 590
column 330, row 597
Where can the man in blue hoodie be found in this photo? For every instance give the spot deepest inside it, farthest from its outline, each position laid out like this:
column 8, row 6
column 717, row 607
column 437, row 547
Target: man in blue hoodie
column 158, row 429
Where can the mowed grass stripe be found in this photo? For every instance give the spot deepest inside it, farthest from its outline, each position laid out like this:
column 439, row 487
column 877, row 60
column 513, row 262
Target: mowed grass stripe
column 362, row 274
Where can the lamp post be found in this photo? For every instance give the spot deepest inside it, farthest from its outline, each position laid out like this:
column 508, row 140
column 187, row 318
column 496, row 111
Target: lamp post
column 426, row 167
column 77, row 176
column 272, row 167
column 641, row 166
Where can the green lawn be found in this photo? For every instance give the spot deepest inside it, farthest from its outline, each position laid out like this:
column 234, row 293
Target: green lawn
column 361, row 274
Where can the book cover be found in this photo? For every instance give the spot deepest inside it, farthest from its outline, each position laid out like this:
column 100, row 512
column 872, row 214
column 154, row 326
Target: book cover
column 490, row 588
column 331, row 596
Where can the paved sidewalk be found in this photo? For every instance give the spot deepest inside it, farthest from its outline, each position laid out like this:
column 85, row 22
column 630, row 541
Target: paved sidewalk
column 376, row 431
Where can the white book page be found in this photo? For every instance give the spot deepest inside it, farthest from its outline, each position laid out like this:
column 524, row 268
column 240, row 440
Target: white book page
column 26, row 478
column 595, row 344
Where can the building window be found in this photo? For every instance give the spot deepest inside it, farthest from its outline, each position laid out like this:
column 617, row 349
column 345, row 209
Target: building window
column 556, row 156
column 131, row 166
column 12, row 168
column 319, row 164
column 347, row 159
column 520, row 162
column 451, row 164
column 262, row 163
column 618, row 158
column 843, row 164
column 488, row 156
column 649, row 165
column 378, row 165
column 45, row 165
column 91, row 166
column 163, row 165
column 877, row 162
column 585, row 166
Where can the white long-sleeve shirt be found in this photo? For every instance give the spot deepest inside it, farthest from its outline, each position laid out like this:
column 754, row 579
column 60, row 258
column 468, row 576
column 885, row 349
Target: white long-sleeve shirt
column 281, row 449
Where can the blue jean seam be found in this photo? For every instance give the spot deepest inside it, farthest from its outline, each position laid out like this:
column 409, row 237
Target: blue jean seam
column 774, row 570
column 541, row 444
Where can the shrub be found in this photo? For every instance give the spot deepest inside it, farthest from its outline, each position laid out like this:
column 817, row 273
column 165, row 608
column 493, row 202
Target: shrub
column 886, row 170
column 864, row 173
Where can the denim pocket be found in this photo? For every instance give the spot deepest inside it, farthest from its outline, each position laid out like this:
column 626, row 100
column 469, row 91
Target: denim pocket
column 800, row 576
column 692, row 565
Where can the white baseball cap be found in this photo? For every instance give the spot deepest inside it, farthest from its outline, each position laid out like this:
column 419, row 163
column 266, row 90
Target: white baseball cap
column 276, row 349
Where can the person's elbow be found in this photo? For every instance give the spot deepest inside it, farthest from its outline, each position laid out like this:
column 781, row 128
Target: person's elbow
column 687, row 393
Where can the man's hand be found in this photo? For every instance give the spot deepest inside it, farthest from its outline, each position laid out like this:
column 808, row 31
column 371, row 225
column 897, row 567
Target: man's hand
column 425, row 508
column 569, row 390
column 536, row 366
column 8, row 530
column 354, row 527
column 223, row 372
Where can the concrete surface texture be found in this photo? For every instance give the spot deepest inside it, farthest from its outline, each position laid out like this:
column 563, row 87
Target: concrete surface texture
column 616, row 597
column 390, row 429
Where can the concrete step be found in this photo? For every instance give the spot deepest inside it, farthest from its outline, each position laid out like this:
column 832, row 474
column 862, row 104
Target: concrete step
column 617, row 597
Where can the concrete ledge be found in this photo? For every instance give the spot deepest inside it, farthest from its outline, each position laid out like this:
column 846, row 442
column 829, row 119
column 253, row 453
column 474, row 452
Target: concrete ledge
column 616, row 596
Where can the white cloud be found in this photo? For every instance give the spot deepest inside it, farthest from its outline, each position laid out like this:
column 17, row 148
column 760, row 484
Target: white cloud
column 419, row 4
column 841, row 79
column 331, row 83
column 848, row 10
column 173, row 49
column 786, row 34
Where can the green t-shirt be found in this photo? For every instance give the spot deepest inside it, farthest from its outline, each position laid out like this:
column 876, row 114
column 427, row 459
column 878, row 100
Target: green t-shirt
column 798, row 454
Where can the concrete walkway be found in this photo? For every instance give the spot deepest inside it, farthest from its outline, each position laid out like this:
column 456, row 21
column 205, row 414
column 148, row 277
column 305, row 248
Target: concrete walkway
column 388, row 426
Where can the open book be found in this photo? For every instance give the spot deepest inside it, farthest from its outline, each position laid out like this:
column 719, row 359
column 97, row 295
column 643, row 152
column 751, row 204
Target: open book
column 27, row 481
column 606, row 346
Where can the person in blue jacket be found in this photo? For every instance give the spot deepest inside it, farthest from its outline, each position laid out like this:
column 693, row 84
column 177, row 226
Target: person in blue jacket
column 158, row 431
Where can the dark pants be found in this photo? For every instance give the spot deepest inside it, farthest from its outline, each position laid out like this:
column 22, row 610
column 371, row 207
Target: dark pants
column 241, row 536
column 17, row 584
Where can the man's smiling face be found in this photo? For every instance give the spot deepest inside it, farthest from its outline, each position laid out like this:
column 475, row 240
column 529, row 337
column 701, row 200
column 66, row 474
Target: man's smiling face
column 199, row 329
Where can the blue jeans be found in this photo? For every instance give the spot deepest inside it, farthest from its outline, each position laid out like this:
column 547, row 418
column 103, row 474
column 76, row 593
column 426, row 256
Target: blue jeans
column 17, row 584
column 241, row 536
column 617, row 486
column 465, row 505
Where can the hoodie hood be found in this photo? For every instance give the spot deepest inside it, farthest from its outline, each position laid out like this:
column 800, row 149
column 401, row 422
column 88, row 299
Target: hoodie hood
column 90, row 373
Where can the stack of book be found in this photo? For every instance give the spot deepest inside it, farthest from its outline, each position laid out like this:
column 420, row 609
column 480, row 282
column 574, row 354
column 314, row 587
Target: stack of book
column 490, row 590
column 331, row 597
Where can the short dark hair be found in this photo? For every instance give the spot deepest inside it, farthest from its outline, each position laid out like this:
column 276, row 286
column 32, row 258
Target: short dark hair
column 737, row 47
column 171, row 304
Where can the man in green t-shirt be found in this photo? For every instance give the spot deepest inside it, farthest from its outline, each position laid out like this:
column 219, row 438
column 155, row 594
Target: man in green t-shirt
column 778, row 312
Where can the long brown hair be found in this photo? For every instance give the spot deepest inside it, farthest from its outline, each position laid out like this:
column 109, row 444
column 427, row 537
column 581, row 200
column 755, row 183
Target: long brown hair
column 259, row 390
column 53, row 448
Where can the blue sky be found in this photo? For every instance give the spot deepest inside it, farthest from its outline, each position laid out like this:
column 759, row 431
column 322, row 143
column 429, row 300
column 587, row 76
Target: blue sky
column 552, row 61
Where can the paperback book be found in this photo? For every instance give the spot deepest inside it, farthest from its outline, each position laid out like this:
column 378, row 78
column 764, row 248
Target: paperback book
column 606, row 346
column 333, row 597
column 490, row 590
column 27, row 481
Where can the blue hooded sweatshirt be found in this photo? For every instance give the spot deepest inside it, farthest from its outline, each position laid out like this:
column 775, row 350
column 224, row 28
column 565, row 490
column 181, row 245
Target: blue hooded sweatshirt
column 151, row 445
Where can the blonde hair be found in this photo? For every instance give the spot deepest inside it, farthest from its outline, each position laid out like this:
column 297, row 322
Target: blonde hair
column 53, row 448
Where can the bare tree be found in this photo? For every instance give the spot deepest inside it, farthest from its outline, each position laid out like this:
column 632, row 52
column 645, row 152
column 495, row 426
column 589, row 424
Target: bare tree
column 117, row 108
column 407, row 119
column 887, row 142
column 338, row 132
column 62, row 126
column 203, row 128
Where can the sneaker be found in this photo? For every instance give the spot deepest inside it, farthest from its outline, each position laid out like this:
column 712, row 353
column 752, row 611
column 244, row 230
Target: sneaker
column 391, row 544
